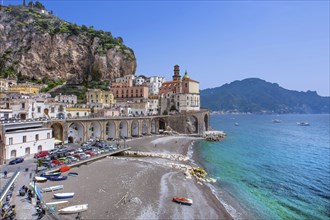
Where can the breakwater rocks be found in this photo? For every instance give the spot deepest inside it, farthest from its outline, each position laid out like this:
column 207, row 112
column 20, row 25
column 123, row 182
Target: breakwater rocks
column 214, row 135
column 176, row 157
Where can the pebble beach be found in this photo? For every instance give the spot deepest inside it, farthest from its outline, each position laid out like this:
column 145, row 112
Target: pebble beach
column 124, row 187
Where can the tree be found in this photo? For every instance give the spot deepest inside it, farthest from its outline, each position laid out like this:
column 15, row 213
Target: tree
column 39, row 5
column 24, row 3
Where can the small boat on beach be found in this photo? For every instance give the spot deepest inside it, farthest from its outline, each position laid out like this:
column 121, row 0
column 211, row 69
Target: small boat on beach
column 56, row 203
column 63, row 195
column 57, row 178
column 64, row 169
column 72, row 174
column 74, row 209
column 47, row 175
column 40, row 179
column 52, row 188
column 183, row 201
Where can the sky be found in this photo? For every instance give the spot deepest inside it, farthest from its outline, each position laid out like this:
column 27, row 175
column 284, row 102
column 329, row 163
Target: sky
column 217, row 42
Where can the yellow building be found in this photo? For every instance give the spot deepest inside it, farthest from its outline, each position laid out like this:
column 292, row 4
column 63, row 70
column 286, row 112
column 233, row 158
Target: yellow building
column 25, row 88
column 97, row 97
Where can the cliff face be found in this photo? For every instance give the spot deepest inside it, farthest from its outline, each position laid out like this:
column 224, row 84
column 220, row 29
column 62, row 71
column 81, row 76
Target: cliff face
column 36, row 44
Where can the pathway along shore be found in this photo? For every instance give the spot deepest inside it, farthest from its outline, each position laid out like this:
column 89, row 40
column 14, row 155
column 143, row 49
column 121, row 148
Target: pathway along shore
column 140, row 187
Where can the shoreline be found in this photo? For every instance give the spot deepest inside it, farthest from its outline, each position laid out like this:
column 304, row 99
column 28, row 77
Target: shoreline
column 141, row 187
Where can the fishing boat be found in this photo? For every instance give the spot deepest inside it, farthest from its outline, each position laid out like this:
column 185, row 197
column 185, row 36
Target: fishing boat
column 74, row 209
column 303, row 123
column 56, row 203
column 57, row 178
column 52, row 188
column 40, row 179
column 236, row 124
column 47, row 175
column 182, row 201
column 276, row 121
column 63, row 195
column 64, row 169
column 72, row 174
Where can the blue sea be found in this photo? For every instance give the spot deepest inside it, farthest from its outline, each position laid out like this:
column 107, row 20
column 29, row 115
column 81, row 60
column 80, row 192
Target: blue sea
column 267, row 170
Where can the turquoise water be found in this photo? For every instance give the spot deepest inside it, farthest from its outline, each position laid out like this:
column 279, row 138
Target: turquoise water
column 269, row 170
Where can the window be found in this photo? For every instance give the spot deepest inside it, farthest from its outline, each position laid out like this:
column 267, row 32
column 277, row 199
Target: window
column 23, row 105
column 10, row 141
column 39, row 109
column 24, row 139
column 37, row 137
column 48, row 135
column 52, row 109
column 77, row 114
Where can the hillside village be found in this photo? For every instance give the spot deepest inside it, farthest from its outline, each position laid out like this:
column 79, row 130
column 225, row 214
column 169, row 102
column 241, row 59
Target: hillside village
column 24, row 109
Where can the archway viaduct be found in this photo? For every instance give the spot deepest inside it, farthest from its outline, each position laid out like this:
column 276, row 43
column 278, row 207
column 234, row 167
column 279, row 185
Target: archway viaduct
column 78, row 130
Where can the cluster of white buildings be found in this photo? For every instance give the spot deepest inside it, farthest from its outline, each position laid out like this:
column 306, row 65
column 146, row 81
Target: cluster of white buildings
column 23, row 107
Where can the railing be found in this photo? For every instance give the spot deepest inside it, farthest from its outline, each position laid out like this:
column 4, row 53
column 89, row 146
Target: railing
column 6, row 188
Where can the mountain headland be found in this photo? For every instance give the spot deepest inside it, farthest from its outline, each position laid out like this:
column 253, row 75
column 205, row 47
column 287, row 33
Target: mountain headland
column 37, row 45
column 255, row 95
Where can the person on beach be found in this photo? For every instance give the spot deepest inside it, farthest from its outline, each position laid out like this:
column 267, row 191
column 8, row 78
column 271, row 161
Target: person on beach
column 5, row 174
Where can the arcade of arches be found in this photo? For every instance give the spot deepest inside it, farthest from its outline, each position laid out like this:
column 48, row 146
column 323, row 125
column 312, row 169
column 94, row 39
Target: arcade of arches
column 82, row 130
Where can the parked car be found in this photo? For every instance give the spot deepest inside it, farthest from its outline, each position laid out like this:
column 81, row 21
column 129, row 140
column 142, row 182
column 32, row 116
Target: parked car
column 41, row 154
column 16, row 160
column 72, row 158
column 57, row 162
column 53, row 151
column 80, row 156
column 90, row 153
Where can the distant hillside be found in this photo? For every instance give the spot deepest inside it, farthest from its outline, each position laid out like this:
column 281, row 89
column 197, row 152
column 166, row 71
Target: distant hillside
column 258, row 96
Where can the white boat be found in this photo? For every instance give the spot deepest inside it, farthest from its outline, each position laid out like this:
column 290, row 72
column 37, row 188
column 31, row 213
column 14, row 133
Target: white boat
column 40, row 179
column 63, row 195
column 56, row 203
column 276, row 121
column 303, row 123
column 52, row 188
column 74, row 209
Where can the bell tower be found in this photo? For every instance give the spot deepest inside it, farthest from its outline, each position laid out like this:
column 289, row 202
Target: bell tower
column 176, row 75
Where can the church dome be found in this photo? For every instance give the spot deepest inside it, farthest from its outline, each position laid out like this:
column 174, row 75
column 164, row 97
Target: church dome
column 186, row 75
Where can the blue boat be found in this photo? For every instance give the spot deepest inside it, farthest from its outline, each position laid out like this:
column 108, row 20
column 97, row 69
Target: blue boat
column 72, row 174
column 57, row 178
column 48, row 175
column 63, row 195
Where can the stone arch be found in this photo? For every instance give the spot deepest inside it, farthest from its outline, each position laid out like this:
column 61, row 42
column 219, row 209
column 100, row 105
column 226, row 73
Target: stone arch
column 123, row 129
column 192, row 125
column 27, row 151
column 76, row 132
column 70, row 139
column 206, row 122
column 162, row 124
column 144, row 127
column 46, row 111
column 135, row 128
column 57, row 132
column 110, row 132
column 13, row 153
column 95, row 130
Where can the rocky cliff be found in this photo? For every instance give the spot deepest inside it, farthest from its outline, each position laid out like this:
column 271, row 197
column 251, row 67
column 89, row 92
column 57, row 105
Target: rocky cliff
column 35, row 44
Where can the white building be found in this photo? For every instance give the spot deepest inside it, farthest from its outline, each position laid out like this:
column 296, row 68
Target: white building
column 154, row 83
column 69, row 100
column 125, row 79
column 6, row 114
column 23, row 139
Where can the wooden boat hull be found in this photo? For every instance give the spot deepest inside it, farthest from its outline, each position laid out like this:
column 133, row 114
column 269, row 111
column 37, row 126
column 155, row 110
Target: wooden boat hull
column 63, row 195
column 58, row 178
column 40, row 179
column 74, row 209
column 48, row 175
column 182, row 201
column 52, row 188
column 56, row 203
column 72, row 174
column 64, row 169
